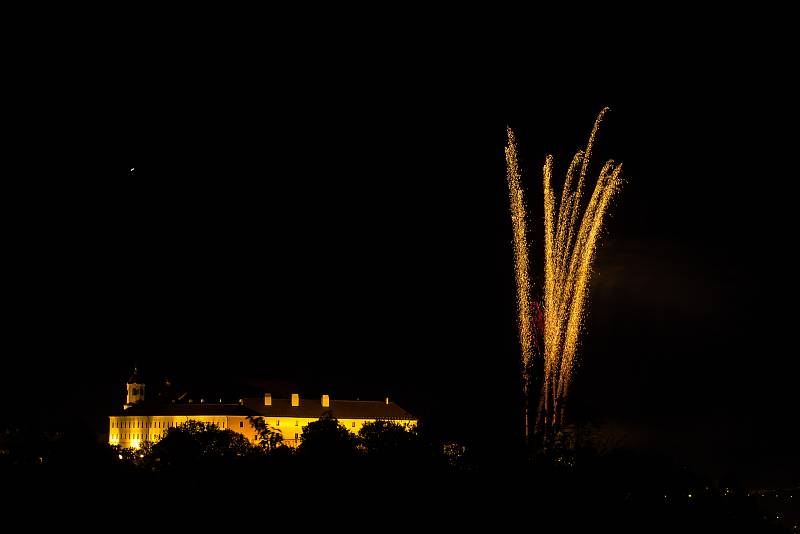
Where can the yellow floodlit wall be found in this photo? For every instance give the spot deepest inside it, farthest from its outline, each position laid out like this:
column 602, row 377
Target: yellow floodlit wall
column 132, row 431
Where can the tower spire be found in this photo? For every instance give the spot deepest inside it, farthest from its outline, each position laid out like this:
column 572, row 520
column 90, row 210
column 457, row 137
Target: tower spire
column 135, row 388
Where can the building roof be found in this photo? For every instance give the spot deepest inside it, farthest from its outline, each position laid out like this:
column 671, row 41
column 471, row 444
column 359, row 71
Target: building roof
column 148, row 409
column 341, row 409
column 308, row 408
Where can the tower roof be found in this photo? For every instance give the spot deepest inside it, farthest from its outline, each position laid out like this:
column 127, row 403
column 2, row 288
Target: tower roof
column 135, row 378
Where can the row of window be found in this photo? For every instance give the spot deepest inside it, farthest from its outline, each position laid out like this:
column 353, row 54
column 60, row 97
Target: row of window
column 170, row 424
column 296, row 423
column 153, row 424
column 116, row 437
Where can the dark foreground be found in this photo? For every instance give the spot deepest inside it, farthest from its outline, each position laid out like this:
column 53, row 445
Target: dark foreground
column 621, row 492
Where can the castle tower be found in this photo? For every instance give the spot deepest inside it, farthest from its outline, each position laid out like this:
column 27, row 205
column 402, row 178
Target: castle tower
column 135, row 389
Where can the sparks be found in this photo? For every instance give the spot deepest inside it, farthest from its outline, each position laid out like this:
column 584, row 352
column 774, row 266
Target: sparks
column 518, row 218
column 570, row 242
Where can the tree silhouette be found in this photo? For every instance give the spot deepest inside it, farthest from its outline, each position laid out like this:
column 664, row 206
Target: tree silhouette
column 193, row 442
column 268, row 437
column 327, row 440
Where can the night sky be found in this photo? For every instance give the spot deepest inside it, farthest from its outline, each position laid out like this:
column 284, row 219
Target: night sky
column 341, row 223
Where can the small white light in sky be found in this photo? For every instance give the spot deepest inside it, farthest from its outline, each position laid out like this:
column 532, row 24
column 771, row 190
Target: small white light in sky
column 131, row 170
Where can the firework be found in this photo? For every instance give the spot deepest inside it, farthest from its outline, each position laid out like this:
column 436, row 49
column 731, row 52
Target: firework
column 571, row 233
column 519, row 224
column 518, row 218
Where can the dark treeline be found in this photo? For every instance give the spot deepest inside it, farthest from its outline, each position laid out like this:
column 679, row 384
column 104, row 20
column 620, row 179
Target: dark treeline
column 384, row 478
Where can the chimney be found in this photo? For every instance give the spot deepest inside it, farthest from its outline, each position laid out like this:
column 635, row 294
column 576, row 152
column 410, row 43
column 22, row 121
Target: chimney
column 326, row 401
column 295, row 399
column 267, row 399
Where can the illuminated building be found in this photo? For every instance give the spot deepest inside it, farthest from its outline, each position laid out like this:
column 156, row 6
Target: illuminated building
column 148, row 420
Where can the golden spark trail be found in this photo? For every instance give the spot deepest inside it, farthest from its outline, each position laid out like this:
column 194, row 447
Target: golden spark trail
column 549, row 289
column 570, row 243
column 581, row 283
column 518, row 218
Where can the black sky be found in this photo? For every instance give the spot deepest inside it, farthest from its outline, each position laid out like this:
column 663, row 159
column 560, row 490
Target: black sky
column 336, row 216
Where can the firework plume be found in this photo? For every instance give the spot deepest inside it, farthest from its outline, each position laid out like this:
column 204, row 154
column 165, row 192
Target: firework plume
column 571, row 231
